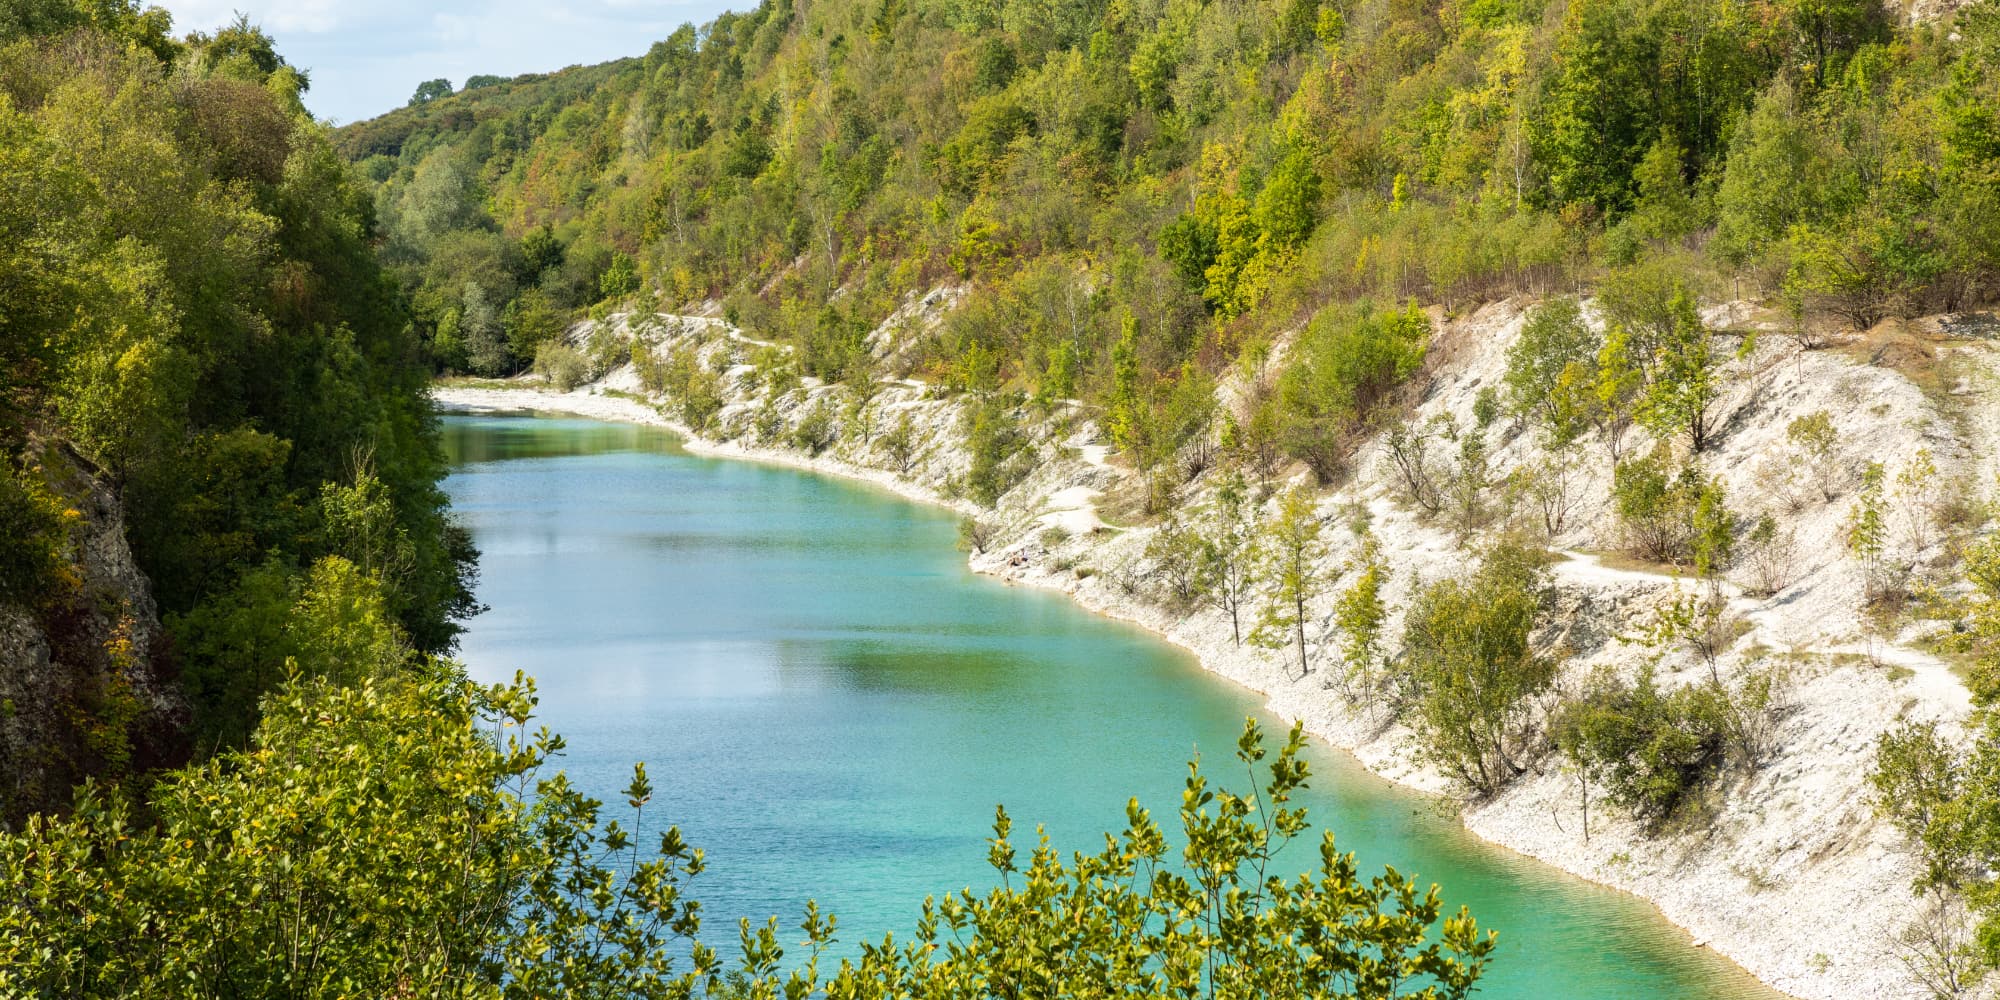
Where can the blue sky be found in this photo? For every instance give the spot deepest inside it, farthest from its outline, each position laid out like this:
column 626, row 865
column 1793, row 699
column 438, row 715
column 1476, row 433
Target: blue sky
column 367, row 56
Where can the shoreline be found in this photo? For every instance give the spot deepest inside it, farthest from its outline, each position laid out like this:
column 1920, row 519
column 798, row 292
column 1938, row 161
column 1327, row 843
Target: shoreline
column 620, row 408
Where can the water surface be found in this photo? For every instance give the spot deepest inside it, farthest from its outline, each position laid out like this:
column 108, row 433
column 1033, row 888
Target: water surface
column 831, row 704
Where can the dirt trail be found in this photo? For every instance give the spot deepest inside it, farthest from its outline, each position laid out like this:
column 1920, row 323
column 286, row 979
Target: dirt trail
column 1775, row 625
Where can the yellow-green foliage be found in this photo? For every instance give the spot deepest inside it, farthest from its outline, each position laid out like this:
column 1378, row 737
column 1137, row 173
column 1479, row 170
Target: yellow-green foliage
column 404, row 836
column 1211, row 171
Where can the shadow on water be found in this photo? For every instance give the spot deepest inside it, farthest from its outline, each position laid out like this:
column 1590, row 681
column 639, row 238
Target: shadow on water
column 831, row 704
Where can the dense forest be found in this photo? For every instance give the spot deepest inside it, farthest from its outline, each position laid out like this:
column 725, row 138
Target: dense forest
column 195, row 323
column 1136, row 195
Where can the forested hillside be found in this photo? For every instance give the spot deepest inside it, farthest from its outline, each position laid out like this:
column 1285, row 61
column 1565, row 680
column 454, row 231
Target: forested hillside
column 1136, row 193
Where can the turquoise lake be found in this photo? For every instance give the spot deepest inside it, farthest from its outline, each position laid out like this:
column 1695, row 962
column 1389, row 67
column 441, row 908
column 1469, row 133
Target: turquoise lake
column 830, row 703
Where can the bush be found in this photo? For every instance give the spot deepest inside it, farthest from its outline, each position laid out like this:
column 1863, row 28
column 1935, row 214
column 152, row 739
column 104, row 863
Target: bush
column 1670, row 517
column 815, row 430
column 768, row 421
column 387, row 813
column 1770, row 556
column 1650, row 750
column 1472, row 666
column 1653, row 751
column 1916, row 778
column 1346, row 365
column 564, row 366
column 694, row 389
column 1176, row 553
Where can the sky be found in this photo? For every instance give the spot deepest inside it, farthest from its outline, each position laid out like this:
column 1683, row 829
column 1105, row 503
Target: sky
column 366, row 57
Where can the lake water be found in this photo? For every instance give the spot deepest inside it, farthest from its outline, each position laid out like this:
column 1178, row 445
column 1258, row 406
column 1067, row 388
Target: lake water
column 831, row 704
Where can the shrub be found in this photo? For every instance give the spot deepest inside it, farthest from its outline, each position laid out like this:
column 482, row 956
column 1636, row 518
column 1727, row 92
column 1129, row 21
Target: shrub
column 1653, row 751
column 815, row 430
column 1770, row 556
column 608, row 347
column 1650, row 749
column 1345, row 367
column 1671, row 517
column 1472, row 666
column 1176, row 554
column 1916, row 777
column 564, row 366
column 769, row 420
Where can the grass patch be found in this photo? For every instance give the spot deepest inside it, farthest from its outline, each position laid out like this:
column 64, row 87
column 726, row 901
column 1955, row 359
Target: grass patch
column 475, row 382
column 1625, row 562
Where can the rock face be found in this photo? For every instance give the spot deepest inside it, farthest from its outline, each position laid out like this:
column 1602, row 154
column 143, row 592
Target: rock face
column 86, row 687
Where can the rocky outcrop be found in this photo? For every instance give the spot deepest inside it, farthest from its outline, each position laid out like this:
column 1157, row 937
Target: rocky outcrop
column 86, row 685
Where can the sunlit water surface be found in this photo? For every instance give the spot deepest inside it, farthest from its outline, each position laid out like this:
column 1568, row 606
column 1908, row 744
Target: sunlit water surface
column 831, row 704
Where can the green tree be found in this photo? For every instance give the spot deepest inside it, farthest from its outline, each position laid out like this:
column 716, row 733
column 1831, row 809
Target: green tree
column 1666, row 207
column 531, row 321
column 1918, row 780
column 431, row 90
column 1813, row 434
column 406, row 834
column 1552, row 370
column 1473, row 664
column 1680, row 392
column 1292, row 550
column 1867, row 532
column 1652, row 750
column 1615, row 390
column 485, row 337
column 620, row 279
column 1360, row 613
column 1123, row 410
column 1346, row 366
column 1232, row 555
column 994, row 441
column 1176, row 554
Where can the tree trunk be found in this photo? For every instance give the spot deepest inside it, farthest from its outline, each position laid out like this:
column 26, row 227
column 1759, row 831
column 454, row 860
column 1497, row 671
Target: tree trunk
column 1299, row 605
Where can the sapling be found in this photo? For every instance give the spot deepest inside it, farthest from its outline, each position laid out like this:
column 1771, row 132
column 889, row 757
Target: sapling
column 1814, row 437
column 1867, row 533
column 1359, row 613
column 1231, row 555
column 1293, row 549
